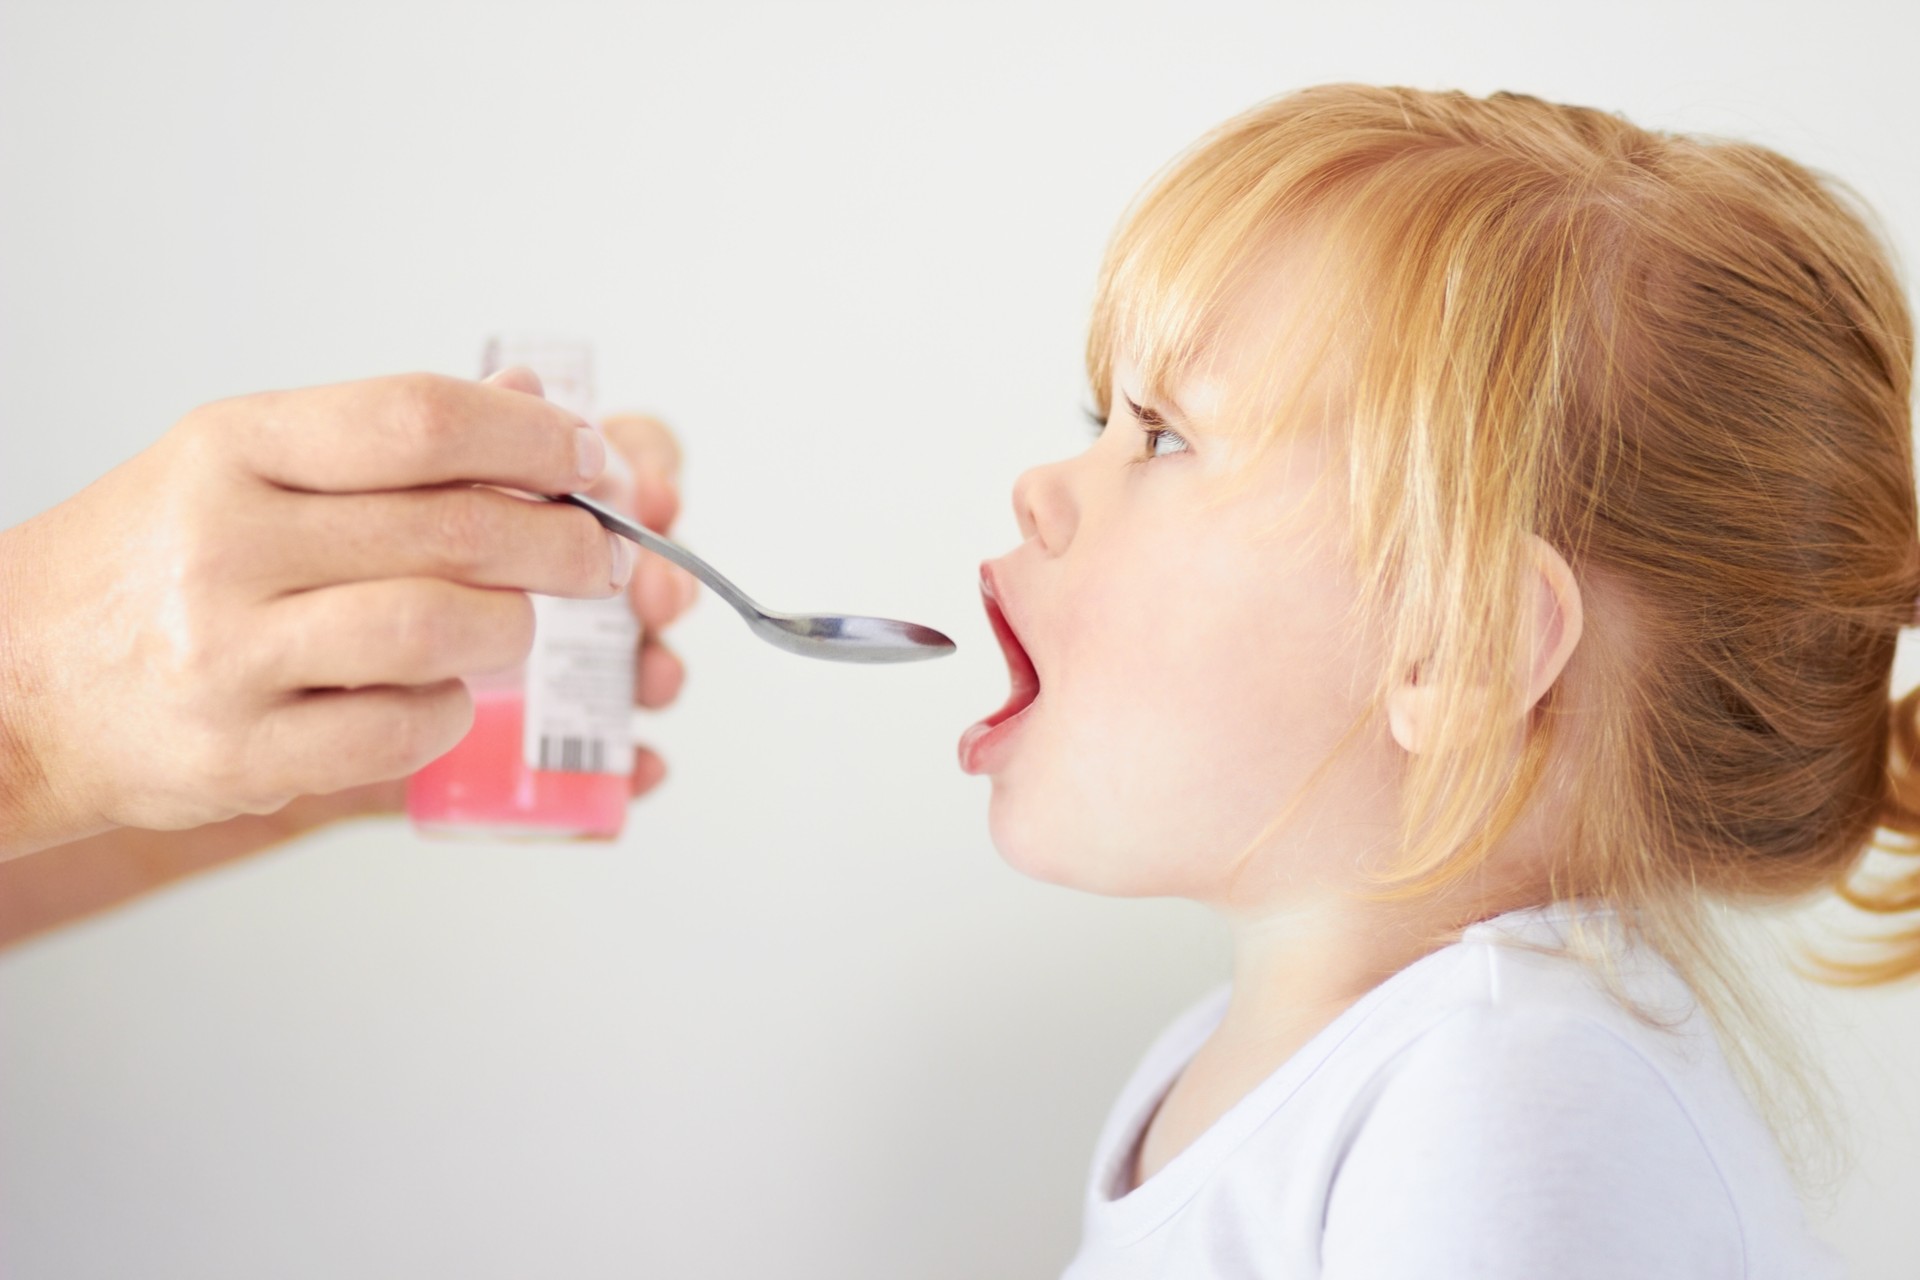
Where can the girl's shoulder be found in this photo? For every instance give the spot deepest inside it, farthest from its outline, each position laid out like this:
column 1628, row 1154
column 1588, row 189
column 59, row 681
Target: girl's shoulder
column 1519, row 1133
column 1544, row 1070
column 1553, row 1011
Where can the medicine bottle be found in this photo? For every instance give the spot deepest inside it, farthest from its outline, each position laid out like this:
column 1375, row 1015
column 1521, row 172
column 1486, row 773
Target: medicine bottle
column 551, row 746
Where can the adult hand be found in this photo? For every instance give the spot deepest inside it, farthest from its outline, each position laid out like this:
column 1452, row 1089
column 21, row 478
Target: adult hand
column 262, row 618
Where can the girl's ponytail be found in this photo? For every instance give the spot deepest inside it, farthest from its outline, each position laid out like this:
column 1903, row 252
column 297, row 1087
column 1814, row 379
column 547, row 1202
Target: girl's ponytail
column 1884, row 880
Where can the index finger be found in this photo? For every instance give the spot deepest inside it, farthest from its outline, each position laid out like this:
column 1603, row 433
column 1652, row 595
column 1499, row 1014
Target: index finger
column 413, row 430
column 646, row 461
column 648, row 443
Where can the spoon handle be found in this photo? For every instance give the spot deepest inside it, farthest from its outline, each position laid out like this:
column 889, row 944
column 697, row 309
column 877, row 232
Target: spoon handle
column 637, row 532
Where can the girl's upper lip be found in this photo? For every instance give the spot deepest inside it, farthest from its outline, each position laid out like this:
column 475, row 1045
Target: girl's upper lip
column 993, row 589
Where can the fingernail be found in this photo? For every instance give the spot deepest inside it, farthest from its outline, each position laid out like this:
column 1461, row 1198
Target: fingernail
column 591, row 452
column 622, row 561
column 529, row 380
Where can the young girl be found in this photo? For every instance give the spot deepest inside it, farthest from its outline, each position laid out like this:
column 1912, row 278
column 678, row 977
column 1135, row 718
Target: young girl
column 1489, row 566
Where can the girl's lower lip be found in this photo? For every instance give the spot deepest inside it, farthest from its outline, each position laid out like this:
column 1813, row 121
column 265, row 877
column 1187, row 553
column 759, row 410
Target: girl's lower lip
column 984, row 745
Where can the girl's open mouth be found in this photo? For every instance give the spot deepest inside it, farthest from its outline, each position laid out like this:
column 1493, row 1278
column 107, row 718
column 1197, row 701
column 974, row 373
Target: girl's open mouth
column 979, row 745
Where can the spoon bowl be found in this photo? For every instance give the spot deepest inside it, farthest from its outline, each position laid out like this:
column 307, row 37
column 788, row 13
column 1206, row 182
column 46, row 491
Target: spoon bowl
column 849, row 638
column 836, row 637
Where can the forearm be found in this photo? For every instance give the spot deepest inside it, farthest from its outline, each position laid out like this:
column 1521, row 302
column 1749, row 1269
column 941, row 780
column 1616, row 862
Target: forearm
column 59, row 885
column 63, row 884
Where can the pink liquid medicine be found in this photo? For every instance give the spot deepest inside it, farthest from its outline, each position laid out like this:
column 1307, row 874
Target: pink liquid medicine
column 483, row 786
column 551, row 748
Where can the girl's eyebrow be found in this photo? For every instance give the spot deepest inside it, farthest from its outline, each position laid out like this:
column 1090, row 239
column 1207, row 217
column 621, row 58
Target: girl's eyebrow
column 1151, row 417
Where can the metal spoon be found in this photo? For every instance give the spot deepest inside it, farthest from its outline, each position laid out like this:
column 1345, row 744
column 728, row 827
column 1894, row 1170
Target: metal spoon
column 835, row 636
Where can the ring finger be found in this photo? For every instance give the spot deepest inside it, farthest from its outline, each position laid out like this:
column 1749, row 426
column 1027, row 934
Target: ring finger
column 393, row 631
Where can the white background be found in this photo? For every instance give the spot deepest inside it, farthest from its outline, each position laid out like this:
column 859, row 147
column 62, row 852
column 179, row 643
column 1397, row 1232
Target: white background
column 800, row 1021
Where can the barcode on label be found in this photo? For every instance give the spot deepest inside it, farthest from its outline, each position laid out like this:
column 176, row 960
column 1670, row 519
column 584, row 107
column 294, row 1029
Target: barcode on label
column 573, row 755
column 579, row 715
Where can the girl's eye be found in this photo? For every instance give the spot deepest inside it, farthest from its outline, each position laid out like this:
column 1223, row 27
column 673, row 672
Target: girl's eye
column 1156, row 436
column 1150, row 426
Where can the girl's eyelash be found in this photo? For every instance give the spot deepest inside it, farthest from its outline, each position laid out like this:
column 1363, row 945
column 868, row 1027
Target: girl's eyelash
column 1152, row 426
column 1154, row 435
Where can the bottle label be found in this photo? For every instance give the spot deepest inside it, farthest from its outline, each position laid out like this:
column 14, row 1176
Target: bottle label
column 580, row 686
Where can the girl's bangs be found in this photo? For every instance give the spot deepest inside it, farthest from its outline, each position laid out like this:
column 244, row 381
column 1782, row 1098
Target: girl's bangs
column 1200, row 251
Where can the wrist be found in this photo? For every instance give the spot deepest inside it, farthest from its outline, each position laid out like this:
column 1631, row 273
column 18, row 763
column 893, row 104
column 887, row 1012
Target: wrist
column 32, row 815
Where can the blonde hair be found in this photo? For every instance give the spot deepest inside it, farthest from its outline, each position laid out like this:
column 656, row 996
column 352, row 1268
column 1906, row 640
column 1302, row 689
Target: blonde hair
column 1683, row 362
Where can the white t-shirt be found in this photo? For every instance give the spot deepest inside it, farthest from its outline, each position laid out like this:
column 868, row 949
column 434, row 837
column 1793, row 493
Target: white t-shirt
column 1487, row 1113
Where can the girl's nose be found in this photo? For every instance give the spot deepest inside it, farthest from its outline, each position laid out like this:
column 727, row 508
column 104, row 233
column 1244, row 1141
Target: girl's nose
column 1044, row 506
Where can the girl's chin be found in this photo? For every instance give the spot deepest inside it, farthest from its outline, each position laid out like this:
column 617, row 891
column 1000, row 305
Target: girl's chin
column 1047, row 853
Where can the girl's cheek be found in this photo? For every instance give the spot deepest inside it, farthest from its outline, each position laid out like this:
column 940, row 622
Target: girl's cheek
column 1139, row 577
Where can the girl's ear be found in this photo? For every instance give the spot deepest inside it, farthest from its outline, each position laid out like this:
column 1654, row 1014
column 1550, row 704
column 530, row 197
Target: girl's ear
column 1554, row 625
column 1408, row 714
column 1559, row 614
